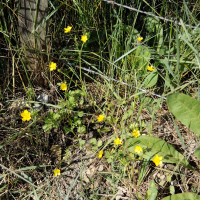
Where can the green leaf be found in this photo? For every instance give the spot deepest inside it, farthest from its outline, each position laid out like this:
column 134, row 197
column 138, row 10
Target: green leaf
column 67, row 130
column 105, row 129
column 71, row 100
column 81, row 129
column 186, row 109
column 172, row 189
column 153, row 146
column 80, row 113
column 183, row 196
column 47, row 127
column 127, row 114
column 94, row 148
column 93, row 141
column 78, row 122
column 197, row 152
column 150, row 80
column 152, row 191
column 56, row 116
column 99, row 143
column 55, row 124
column 152, row 23
column 81, row 142
column 143, row 55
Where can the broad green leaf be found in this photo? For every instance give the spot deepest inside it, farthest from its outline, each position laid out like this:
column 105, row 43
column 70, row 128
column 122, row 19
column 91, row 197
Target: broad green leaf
column 153, row 146
column 183, row 196
column 197, row 152
column 186, row 109
column 150, row 80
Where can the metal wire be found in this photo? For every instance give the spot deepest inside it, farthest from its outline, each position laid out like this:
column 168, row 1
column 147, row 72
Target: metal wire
column 150, row 14
column 109, row 78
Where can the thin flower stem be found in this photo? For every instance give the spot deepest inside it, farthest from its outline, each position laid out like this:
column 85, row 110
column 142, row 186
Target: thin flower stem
column 80, row 62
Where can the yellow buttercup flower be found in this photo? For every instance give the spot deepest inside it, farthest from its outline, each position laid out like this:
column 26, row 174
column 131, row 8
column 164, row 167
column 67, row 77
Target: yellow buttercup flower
column 138, row 149
column 84, row 38
column 118, row 141
column 136, row 133
column 56, row 172
column 100, row 118
column 100, row 154
column 52, row 66
column 26, row 116
column 63, row 86
column 150, row 68
column 140, row 39
column 68, row 29
column 157, row 160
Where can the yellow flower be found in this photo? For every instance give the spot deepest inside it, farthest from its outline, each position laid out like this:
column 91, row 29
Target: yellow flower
column 150, row 68
column 138, row 149
column 56, row 172
column 63, row 86
column 136, row 133
column 52, row 66
column 118, row 141
column 140, row 39
column 68, row 29
column 157, row 160
column 26, row 116
column 84, row 38
column 100, row 154
column 100, row 118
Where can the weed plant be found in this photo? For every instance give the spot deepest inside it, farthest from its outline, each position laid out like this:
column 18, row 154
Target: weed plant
column 107, row 130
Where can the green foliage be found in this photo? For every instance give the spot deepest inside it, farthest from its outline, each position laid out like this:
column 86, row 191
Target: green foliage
column 150, row 80
column 152, row 191
column 186, row 109
column 73, row 100
column 172, row 189
column 95, row 144
column 153, row 146
column 197, row 152
column 81, row 143
column 112, row 50
column 183, row 196
column 51, row 121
